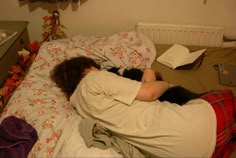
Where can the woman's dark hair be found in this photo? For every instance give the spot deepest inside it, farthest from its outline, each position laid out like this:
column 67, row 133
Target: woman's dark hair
column 69, row 73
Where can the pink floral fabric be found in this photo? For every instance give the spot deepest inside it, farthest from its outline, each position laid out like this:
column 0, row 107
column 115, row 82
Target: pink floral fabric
column 41, row 103
column 126, row 49
column 44, row 106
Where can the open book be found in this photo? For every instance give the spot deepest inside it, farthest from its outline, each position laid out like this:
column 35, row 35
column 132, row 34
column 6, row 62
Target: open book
column 178, row 55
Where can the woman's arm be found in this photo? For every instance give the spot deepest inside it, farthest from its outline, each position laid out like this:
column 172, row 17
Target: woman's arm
column 148, row 75
column 152, row 90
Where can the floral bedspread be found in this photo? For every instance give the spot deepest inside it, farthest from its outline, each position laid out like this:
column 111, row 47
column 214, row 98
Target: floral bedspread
column 128, row 49
column 44, row 106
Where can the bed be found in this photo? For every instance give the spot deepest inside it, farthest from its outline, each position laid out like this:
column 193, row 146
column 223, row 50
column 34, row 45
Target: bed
column 44, row 106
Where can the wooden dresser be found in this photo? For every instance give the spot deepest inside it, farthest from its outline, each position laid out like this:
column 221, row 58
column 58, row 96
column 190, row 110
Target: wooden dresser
column 8, row 50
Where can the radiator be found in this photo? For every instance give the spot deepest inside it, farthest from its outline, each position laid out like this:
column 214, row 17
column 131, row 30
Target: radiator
column 182, row 34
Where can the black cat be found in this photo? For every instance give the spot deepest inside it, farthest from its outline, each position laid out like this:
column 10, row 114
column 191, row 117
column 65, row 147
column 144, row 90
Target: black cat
column 176, row 94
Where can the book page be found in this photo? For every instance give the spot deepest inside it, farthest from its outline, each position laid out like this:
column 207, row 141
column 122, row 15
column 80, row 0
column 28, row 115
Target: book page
column 192, row 57
column 174, row 56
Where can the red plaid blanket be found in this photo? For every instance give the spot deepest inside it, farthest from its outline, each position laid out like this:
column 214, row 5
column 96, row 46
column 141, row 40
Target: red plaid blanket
column 224, row 104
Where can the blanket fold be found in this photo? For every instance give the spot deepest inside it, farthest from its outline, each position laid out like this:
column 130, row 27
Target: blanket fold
column 98, row 136
column 17, row 137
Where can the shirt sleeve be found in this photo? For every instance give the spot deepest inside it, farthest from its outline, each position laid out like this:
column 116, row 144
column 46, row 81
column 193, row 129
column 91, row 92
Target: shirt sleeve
column 111, row 85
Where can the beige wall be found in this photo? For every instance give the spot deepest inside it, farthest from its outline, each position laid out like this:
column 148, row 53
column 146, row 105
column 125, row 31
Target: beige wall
column 105, row 17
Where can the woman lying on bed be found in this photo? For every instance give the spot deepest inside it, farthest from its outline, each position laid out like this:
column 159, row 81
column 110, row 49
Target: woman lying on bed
column 132, row 111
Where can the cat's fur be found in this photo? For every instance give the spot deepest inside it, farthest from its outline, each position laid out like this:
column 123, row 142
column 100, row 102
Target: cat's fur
column 176, row 94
